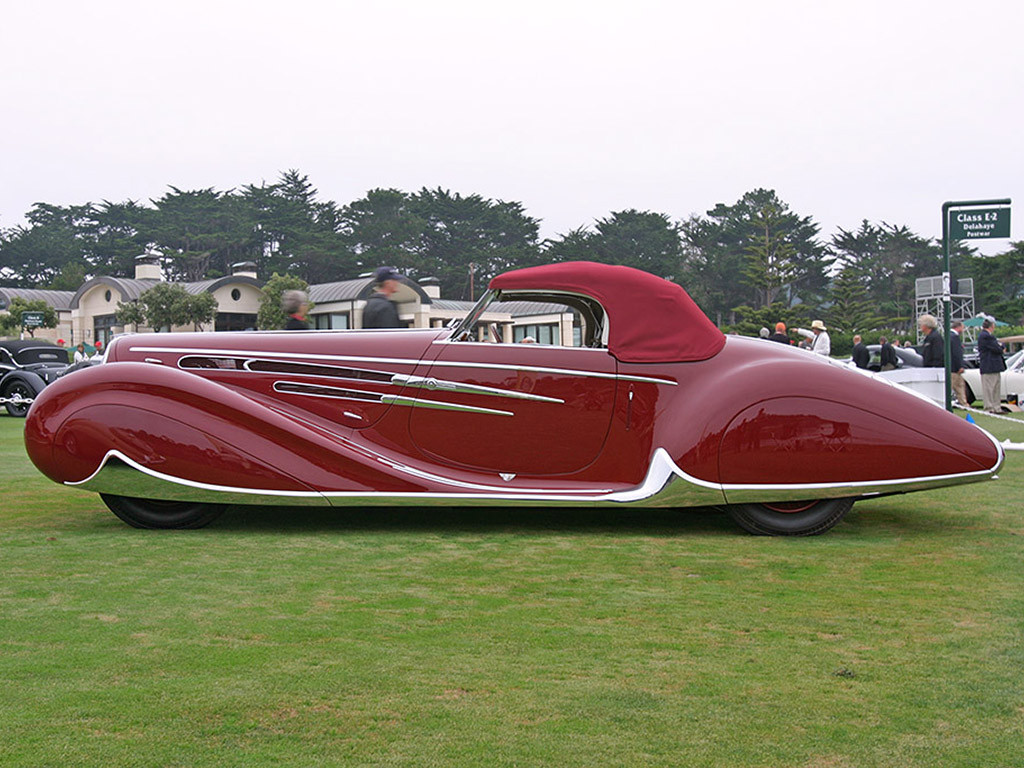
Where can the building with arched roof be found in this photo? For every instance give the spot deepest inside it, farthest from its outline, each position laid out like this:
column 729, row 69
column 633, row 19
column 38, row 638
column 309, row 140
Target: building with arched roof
column 94, row 305
column 59, row 300
column 90, row 313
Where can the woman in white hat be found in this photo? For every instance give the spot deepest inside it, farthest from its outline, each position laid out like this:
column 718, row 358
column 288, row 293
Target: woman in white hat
column 821, row 344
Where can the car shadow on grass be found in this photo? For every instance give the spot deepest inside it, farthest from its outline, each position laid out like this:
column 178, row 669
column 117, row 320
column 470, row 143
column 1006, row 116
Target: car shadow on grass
column 520, row 520
column 899, row 516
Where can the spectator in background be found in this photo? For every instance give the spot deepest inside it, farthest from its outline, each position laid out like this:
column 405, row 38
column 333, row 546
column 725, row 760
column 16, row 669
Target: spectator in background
column 821, row 344
column 763, row 333
column 992, row 365
column 887, row 357
column 380, row 310
column 780, row 334
column 956, row 363
column 931, row 348
column 80, row 353
column 861, row 356
column 295, row 304
column 99, row 348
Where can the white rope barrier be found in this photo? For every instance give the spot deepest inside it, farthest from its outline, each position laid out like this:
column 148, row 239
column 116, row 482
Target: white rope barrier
column 990, row 415
column 1007, row 445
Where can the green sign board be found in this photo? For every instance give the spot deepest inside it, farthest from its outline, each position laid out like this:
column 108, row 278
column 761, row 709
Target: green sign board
column 31, row 319
column 979, row 223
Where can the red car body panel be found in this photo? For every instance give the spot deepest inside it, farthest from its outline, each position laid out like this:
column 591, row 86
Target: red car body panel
column 373, row 416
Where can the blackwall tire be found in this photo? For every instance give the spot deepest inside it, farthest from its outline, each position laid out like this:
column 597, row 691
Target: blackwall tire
column 18, row 389
column 808, row 518
column 153, row 513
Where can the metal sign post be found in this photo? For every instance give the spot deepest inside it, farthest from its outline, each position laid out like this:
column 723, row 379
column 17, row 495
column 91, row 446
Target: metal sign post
column 981, row 219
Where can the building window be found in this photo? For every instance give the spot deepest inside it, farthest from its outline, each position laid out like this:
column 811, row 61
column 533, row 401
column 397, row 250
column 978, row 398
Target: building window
column 234, row 321
column 548, row 333
column 106, row 297
column 335, row 321
column 103, row 328
column 235, row 294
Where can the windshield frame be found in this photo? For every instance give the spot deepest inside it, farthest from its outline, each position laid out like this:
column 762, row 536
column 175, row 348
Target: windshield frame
column 463, row 328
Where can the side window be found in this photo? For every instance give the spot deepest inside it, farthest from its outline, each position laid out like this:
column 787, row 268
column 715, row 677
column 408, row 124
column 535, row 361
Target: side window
column 548, row 319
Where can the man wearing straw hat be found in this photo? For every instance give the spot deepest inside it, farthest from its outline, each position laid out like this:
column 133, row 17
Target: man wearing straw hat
column 821, row 344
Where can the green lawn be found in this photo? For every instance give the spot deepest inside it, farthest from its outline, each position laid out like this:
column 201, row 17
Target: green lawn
column 511, row 637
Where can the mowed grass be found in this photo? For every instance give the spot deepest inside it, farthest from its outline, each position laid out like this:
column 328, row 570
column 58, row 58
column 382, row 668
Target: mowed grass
column 438, row 637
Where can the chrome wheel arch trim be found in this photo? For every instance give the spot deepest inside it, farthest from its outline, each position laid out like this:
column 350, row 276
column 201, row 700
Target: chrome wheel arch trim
column 157, row 475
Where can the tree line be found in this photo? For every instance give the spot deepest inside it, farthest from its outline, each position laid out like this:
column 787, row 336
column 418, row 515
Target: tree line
column 747, row 265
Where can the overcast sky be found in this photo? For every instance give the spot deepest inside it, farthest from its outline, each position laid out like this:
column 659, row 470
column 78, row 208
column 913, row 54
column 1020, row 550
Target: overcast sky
column 877, row 110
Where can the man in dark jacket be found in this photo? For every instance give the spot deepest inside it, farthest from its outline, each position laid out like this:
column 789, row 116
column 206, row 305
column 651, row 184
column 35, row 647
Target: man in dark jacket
column 887, row 356
column 780, row 334
column 861, row 356
column 992, row 365
column 931, row 348
column 956, row 363
column 380, row 310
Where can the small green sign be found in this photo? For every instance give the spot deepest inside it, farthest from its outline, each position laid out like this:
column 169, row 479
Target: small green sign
column 979, row 223
column 31, row 319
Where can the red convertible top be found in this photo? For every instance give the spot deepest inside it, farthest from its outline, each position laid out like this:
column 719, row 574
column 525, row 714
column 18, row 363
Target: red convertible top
column 651, row 320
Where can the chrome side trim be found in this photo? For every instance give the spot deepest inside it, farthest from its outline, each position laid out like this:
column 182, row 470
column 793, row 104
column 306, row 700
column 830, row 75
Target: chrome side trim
column 337, row 393
column 432, row 384
column 404, row 361
column 493, row 344
column 557, row 371
column 329, row 371
column 417, row 402
column 322, row 390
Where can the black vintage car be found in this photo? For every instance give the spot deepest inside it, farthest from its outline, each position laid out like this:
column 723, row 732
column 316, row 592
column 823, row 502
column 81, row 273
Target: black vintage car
column 25, row 368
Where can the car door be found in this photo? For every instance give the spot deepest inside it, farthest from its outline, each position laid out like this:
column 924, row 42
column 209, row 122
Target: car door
column 514, row 408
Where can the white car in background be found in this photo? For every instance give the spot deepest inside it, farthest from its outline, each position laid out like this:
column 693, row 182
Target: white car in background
column 1011, row 382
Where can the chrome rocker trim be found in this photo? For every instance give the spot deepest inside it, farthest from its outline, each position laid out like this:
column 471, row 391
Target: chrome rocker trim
column 665, row 485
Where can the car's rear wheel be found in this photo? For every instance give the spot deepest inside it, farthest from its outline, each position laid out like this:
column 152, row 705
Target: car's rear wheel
column 790, row 518
column 155, row 513
column 22, row 395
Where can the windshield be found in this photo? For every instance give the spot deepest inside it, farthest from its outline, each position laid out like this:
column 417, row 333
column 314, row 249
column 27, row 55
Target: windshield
column 1014, row 359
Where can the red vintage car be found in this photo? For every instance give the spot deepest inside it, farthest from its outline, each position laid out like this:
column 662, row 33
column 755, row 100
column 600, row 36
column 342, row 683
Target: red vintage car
column 654, row 406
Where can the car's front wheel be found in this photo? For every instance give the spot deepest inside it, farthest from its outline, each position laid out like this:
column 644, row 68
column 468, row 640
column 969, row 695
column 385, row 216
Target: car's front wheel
column 155, row 513
column 19, row 396
column 790, row 518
